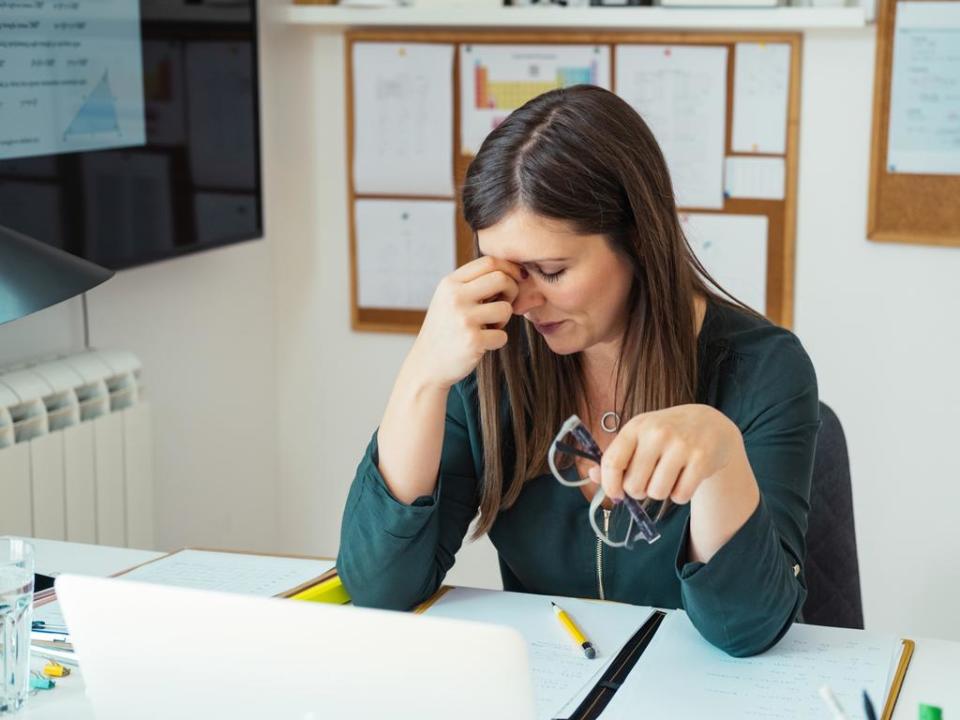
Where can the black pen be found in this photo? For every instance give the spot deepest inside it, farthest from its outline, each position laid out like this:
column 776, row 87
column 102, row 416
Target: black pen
column 868, row 707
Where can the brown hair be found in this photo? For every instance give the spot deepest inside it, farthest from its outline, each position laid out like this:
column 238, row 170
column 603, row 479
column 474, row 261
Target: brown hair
column 584, row 156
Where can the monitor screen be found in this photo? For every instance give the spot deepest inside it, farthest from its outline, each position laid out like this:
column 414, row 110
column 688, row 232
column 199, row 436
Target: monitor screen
column 129, row 129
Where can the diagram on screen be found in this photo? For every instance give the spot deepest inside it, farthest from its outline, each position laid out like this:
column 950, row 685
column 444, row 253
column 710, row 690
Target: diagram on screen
column 98, row 114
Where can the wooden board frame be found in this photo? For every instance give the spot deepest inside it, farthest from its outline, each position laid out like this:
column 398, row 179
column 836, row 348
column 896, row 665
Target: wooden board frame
column 780, row 214
column 902, row 207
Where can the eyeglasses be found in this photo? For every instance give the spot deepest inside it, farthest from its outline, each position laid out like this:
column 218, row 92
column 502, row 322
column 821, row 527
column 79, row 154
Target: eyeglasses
column 573, row 450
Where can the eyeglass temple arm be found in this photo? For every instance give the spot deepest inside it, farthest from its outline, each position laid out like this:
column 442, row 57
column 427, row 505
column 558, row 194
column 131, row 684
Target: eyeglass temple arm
column 570, row 450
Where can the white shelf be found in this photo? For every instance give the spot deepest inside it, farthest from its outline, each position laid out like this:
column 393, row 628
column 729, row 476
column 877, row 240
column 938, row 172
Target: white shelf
column 596, row 18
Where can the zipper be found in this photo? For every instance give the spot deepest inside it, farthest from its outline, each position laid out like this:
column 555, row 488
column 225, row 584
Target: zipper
column 606, row 531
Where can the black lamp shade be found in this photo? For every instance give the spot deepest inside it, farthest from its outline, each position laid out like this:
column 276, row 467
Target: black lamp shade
column 34, row 275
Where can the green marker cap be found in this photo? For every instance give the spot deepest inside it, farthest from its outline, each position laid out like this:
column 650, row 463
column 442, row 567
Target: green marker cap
column 929, row 712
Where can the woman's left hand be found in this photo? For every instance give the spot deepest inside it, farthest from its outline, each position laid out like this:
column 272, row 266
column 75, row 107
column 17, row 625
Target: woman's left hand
column 669, row 453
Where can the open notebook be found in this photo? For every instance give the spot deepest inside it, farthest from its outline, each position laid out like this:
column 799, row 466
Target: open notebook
column 654, row 663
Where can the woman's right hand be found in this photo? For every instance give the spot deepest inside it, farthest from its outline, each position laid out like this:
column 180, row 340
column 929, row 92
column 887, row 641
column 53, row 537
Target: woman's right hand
column 466, row 317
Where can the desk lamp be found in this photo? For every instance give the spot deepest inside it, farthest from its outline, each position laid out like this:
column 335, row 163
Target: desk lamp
column 34, row 275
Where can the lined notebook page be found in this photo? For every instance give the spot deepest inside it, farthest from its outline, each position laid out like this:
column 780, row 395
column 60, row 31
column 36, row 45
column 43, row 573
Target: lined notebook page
column 230, row 572
column 681, row 675
column 561, row 672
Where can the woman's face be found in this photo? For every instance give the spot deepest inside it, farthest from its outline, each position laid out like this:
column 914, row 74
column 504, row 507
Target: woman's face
column 576, row 287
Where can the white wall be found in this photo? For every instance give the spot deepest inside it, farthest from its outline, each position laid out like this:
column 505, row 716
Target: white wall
column 54, row 331
column 879, row 321
column 875, row 318
column 203, row 327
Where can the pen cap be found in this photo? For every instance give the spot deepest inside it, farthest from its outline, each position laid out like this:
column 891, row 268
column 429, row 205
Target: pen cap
column 929, row 712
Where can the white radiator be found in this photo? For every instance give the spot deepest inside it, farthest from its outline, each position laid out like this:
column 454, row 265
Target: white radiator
column 76, row 451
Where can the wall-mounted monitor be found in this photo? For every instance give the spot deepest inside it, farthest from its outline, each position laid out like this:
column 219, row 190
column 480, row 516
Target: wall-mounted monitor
column 129, row 129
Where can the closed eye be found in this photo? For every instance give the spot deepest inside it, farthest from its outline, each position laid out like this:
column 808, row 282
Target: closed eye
column 549, row 277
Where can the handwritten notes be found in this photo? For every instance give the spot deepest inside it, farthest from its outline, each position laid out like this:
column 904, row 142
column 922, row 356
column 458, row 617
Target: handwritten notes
column 682, row 675
column 561, row 672
column 925, row 89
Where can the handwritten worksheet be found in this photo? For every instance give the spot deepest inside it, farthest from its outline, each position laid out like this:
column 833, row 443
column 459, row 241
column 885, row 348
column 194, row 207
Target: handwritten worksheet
column 562, row 674
column 924, row 134
column 682, row 675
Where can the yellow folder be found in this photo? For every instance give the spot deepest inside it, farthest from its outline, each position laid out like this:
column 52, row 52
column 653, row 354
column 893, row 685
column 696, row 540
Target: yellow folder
column 330, row 590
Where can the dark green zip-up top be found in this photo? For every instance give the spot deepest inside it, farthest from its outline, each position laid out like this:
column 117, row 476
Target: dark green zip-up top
column 394, row 555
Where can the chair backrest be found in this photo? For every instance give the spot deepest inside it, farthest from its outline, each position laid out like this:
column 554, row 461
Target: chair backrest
column 832, row 572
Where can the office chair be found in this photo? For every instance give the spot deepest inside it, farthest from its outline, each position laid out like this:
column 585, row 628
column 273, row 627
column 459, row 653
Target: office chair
column 832, row 572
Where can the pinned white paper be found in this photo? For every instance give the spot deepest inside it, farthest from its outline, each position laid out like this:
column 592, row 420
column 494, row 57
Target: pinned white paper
column 761, row 82
column 681, row 92
column 403, row 118
column 404, row 248
column 925, row 89
column 733, row 249
column 761, row 178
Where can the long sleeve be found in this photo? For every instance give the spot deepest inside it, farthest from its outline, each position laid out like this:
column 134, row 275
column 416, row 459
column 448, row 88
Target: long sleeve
column 394, row 555
column 750, row 592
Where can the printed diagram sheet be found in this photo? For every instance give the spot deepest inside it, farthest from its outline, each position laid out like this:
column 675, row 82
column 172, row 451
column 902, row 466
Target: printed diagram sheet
column 497, row 79
column 71, row 76
column 681, row 93
column 403, row 119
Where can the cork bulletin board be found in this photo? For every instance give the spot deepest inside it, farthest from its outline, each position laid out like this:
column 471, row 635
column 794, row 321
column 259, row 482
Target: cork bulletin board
column 779, row 213
column 908, row 207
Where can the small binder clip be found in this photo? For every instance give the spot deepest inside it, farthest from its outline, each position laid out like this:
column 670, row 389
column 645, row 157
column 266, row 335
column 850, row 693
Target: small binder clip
column 39, row 682
column 55, row 669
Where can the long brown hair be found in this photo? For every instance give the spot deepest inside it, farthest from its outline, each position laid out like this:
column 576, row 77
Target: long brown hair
column 584, row 156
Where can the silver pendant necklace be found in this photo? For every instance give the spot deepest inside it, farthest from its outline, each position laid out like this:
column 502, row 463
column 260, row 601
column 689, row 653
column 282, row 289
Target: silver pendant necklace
column 610, row 422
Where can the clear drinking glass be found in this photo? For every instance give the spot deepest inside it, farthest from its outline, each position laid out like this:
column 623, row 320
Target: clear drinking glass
column 16, row 611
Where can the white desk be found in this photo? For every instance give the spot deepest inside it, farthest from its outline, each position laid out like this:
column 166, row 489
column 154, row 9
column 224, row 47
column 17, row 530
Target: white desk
column 932, row 677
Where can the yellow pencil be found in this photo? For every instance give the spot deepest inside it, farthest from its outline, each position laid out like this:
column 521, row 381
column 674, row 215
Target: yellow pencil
column 574, row 631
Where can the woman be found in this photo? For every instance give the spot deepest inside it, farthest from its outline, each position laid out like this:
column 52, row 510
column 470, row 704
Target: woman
column 587, row 299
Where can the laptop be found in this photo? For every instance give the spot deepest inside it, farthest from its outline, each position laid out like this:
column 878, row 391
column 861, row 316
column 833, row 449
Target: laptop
column 150, row 651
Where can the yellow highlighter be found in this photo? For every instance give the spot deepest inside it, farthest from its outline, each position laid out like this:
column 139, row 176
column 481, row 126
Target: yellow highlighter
column 575, row 633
